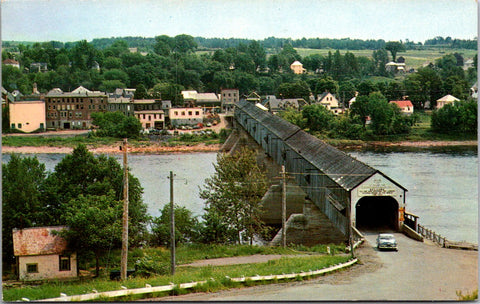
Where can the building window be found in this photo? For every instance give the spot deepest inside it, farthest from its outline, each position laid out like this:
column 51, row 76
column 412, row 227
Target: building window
column 189, row 113
column 19, row 126
column 13, row 126
column 183, row 113
column 32, row 268
column 64, row 263
column 197, row 113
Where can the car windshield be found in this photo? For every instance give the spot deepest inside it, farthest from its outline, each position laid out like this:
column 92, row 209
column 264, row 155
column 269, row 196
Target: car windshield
column 386, row 237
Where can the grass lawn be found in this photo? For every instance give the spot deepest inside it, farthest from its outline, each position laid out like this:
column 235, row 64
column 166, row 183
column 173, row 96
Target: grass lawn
column 187, row 254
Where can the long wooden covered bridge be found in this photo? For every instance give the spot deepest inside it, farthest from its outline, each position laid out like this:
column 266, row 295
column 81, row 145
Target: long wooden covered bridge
column 347, row 191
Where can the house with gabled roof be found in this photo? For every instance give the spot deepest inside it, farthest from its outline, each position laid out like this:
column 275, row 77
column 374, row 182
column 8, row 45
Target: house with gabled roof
column 11, row 62
column 42, row 254
column 405, row 106
column 329, row 101
column 447, row 99
column 276, row 105
column 297, row 67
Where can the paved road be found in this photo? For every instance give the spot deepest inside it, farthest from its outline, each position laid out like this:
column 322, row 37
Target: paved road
column 418, row 271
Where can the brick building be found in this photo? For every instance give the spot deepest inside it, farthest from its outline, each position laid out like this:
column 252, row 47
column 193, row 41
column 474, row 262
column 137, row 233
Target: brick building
column 72, row 110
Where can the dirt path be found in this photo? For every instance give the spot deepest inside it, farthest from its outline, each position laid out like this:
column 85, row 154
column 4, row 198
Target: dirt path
column 251, row 259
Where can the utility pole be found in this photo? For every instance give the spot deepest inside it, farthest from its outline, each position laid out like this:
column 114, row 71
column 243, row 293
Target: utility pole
column 349, row 219
column 284, row 207
column 123, row 266
column 172, row 226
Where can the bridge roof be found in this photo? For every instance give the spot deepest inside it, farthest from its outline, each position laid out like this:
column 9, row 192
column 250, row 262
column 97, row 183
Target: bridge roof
column 343, row 169
column 340, row 167
column 280, row 127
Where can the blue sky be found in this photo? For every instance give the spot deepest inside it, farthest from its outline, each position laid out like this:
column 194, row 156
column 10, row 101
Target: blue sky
column 72, row 20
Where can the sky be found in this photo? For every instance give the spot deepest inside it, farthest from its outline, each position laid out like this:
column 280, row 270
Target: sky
column 391, row 20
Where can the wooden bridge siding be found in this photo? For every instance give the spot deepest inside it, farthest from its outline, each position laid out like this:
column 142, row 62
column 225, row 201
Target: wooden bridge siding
column 320, row 185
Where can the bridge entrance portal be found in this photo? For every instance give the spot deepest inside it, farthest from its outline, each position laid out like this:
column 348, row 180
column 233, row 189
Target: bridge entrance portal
column 376, row 213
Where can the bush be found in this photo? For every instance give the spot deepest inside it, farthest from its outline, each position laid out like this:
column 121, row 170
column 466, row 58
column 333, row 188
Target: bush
column 459, row 117
column 148, row 266
column 116, row 124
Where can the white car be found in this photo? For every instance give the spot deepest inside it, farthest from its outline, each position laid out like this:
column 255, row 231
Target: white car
column 386, row 241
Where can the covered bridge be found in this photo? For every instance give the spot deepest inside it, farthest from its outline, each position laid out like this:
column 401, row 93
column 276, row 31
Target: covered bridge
column 339, row 185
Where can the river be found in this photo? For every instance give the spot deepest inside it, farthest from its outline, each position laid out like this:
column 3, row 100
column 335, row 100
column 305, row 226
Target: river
column 442, row 186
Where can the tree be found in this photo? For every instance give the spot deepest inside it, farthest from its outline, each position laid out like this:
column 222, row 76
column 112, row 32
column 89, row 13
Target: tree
column 299, row 89
column 323, row 84
column 140, row 92
column 293, row 116
column 169, row 91
column 23, row 180
column 95, row 225
column 184, row 43
column 318, row 117
column 163, row 45
column 359, row 110
column 386, row 118
column 257, row 53
column 186, row 226
column 116, row 124
column 232, row 197
column 83, row 173
column 460, row 117
column 394, row 47
column 380, row 59
column 422, row 86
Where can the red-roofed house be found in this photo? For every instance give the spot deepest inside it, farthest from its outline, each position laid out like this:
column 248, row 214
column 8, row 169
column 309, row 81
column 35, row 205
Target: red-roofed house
column 405, row 106
column 11, row 62
column 43, row 255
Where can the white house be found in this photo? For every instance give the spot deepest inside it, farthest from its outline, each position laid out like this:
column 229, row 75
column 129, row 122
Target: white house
column 41, row 254
column 446, row 100
column 297, row 67
column 329, row 101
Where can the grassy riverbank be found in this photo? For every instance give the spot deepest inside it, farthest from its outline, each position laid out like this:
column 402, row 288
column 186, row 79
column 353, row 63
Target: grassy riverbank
column 184, row 274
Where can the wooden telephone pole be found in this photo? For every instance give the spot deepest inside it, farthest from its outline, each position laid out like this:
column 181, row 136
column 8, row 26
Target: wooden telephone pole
column 172, row 226
column 284, row 207
column 123, row 266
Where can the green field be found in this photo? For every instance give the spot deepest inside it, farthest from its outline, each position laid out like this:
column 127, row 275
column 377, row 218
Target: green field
column 413, row 58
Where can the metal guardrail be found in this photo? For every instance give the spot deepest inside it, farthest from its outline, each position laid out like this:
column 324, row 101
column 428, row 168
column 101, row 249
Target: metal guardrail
column 148, row 290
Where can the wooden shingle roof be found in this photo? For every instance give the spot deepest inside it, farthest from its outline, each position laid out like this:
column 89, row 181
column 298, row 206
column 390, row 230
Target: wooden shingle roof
column 340, row 167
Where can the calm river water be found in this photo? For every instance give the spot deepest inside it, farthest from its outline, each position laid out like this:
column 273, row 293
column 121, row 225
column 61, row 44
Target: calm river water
column 442, row 186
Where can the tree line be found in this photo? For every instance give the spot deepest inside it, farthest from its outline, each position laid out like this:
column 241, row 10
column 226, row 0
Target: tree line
column 147, row 43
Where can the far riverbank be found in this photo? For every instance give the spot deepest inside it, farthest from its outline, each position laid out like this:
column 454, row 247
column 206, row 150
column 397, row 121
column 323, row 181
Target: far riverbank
column 157, row 148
